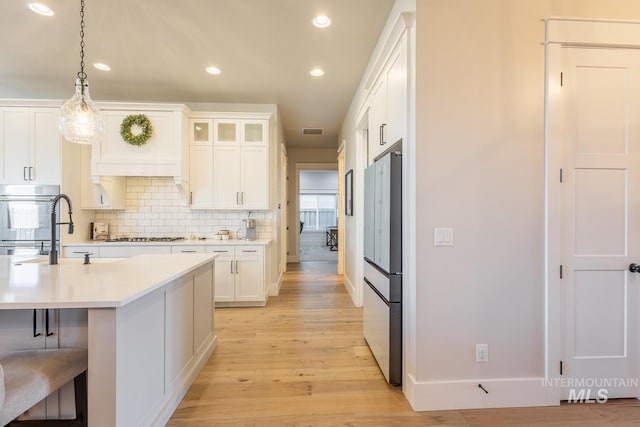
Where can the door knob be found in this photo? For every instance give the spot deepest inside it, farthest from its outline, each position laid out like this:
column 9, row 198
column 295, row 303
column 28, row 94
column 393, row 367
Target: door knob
column 634, row 268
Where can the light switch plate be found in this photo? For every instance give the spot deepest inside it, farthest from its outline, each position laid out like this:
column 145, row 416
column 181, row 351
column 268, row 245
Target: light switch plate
column 443, row 236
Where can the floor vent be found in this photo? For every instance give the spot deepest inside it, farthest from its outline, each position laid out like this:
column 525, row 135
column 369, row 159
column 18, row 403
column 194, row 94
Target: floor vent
column 312, row 131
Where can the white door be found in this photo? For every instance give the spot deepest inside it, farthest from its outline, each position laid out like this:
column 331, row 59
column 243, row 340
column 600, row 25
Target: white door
column 224, row 273
column 201, row 177
column 600, row 192
column 226, row 177
column 249, row 275
column 254, row 178
column 45, row 146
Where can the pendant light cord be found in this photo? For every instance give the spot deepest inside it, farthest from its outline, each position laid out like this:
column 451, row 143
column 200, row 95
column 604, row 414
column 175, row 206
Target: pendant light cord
column 81, row 74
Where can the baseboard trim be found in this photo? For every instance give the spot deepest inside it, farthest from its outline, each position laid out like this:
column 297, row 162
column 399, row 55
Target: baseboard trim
column 352, row 291
column 465, row 394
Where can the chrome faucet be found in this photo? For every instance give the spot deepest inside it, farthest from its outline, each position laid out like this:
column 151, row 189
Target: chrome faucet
column 53, row 252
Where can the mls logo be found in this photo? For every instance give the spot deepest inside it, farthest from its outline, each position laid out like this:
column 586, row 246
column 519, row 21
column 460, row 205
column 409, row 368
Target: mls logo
column 583, row 395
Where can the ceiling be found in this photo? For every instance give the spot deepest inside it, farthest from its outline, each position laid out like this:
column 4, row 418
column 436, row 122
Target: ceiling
column 158, row 51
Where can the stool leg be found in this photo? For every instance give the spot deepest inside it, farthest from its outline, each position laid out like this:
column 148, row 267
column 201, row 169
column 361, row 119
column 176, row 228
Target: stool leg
column 80, row 386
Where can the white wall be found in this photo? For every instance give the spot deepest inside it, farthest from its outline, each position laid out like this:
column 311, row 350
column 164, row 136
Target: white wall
column 479, row 152
column 319, row 182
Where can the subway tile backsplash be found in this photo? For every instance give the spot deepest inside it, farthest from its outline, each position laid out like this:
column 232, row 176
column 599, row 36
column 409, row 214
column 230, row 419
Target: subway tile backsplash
column 154, row 210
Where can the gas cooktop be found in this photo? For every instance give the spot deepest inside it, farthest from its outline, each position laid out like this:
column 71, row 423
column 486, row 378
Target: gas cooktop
column 145, row 239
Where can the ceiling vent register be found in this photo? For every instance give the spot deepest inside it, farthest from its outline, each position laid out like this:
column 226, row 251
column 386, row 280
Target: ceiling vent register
column 312, row 131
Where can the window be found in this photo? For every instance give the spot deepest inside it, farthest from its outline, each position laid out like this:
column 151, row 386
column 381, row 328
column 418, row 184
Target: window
column 319, row 211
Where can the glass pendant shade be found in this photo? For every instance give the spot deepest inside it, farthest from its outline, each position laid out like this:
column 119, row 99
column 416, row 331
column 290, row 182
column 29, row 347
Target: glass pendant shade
column 80, row 118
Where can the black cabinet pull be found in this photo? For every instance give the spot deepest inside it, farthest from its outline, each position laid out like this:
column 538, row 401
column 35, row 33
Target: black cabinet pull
column 46, row 322
column 382, row 141
column 35, row 321
column 221, row 251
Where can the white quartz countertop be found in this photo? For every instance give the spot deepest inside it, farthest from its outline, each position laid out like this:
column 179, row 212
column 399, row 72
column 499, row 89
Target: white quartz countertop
column 185, row 242
column 112, row 282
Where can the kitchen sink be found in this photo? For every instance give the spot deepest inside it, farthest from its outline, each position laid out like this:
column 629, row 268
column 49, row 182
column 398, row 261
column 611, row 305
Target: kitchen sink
column 45, row 260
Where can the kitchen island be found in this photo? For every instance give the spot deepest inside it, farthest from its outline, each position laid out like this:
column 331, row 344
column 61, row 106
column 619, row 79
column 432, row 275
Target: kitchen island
column 149, row 325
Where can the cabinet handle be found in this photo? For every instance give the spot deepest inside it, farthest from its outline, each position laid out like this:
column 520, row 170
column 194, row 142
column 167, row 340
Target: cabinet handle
column 24, row 174
column 35, row 321
column 231, row 264
column 101, row 200
column 247, row 250
column 80, row 252
column 237, row 198
column 190, row 197
column 242, row 197
column 236, row 266
column 188, row 252
column 30, row 174
column 220, row 251
column 382, row 141
column 47, row 323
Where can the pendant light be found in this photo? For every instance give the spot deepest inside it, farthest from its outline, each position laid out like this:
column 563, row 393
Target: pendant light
column 80, row 118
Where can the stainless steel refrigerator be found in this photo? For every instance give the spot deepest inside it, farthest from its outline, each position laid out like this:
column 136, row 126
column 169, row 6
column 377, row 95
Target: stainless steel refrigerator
column 382, row 315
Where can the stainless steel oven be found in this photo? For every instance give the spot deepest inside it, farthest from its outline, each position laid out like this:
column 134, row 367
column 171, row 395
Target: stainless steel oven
column 25, row 218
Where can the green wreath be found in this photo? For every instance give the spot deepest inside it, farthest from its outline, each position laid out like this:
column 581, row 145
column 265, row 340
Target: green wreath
column 143, row 123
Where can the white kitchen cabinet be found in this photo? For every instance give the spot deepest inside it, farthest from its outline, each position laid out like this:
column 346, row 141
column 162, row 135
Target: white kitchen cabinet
column 240, row 164
column 201, row 132
column 203, row 303
column 164, row 154
column 389, row 98
column 30, row 141
column 108, row 192
column 239, row 274
column 187, row 249
column 201, row 176
column 129, row 251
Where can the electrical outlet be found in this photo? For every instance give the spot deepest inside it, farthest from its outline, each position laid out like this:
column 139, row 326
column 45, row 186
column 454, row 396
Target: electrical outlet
column 482, row 353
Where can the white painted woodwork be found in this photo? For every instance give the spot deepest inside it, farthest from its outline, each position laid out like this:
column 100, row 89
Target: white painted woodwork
column 601, row 199
column 250, row 277
column 227, row 175
column 201, row 131
column 188, row 249
column 388, row 105
column 240, row 164
column 225, row 272
column 31, row 142
column 203, row 302
column 164, row 154
column 240, row 274
column 201, row 176
column 129, row 251
column 108, row 193
column 179, row 328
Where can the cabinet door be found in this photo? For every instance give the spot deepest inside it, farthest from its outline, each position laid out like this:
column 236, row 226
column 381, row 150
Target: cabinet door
column 15, row 139
column 397, row 95
column 254, row 132
column 377, row 120
column 201, row 177
column 201, row 131
column 226, row 177
column 249, row 274
column 254, row 178
column 226, row 132
column 44, row 146
column 224, row 273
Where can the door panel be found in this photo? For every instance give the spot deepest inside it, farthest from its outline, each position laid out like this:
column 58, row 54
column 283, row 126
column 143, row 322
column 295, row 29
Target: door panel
column 600, row 192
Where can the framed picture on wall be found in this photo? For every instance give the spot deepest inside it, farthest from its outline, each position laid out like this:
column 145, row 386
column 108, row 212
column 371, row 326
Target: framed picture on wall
column 348, row 193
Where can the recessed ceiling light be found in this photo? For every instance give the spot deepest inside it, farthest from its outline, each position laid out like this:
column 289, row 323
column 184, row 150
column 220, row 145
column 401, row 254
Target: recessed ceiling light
column 321, row 21
column 102, row 67
column 40, row 9
column 213, row 70
column 316, row 72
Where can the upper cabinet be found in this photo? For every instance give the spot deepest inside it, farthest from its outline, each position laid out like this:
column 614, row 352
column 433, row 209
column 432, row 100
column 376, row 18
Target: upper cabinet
column 232, row 171
column 30, row 141
column 389, row 98
column 165, row 153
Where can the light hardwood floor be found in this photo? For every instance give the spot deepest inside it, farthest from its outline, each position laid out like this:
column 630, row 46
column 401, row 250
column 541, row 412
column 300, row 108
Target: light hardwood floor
column 302, row 361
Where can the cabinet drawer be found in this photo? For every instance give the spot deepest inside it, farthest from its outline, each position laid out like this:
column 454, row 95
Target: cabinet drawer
column 128, row 251
column 187, row 249
column 222, row 250
column 249, row 251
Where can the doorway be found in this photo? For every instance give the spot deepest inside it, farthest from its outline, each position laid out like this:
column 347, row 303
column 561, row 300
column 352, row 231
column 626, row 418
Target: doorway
column 318, row 210
column 593, row 219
